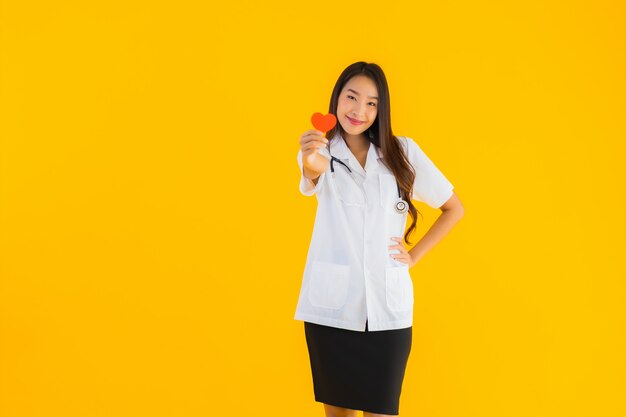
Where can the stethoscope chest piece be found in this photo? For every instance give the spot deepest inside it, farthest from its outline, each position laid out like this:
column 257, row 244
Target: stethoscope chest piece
column 401, row 206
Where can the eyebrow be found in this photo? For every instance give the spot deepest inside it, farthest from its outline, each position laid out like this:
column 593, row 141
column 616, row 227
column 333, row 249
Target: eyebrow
column 349, row 89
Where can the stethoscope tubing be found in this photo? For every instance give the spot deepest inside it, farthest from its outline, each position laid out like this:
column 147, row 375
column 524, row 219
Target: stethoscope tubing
column 401, row 206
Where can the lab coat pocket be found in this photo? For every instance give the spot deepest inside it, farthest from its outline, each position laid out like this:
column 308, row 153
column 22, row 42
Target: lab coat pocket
column 328, row 287
column 399, row 288
column 388, row 192
column 350, row 190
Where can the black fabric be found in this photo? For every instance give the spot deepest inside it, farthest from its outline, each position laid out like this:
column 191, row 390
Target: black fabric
column 358, row 370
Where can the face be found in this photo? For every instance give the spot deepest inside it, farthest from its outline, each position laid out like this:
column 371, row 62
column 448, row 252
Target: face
column 358, row 102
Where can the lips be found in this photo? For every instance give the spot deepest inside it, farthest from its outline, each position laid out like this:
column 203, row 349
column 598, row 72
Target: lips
column 355, row 122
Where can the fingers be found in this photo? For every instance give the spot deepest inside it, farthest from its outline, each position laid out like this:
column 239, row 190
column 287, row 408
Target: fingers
column 403, row 256
column 313, row 132
column 399, row 246
column 313, row 135
column 312, row 140
column 312, row 145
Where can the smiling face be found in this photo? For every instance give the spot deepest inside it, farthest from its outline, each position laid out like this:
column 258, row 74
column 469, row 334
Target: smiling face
column 357, row 106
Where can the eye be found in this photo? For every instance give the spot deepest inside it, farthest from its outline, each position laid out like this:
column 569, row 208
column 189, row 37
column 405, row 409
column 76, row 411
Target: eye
column 371, row 102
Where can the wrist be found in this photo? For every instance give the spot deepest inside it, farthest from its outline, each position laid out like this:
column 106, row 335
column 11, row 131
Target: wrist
column 415, row 257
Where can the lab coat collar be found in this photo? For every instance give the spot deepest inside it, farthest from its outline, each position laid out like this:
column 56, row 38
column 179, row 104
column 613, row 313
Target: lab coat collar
column 339, row 149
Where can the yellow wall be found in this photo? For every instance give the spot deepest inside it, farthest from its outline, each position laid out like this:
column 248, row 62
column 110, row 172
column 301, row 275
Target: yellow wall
column 153, row 238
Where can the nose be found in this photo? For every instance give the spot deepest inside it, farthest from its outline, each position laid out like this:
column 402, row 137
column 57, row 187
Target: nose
column 358, row 112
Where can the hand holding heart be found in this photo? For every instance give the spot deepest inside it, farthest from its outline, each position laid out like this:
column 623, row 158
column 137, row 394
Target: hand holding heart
column 313, row 139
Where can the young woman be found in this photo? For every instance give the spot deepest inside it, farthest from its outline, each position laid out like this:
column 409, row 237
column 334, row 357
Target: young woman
column 356, row 298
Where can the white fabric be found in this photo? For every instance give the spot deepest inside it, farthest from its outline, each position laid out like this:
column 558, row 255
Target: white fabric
column 349, row 274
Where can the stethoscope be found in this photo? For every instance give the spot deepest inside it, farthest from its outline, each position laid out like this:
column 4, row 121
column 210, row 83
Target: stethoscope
column 400, row 206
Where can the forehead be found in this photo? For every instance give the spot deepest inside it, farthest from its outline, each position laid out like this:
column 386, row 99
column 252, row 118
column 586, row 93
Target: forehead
column 362, row 84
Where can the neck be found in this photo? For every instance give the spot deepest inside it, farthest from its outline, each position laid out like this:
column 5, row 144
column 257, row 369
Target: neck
column 356, row 142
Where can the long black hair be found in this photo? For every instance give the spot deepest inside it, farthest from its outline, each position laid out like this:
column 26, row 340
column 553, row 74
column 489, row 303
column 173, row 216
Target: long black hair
column 379, row 133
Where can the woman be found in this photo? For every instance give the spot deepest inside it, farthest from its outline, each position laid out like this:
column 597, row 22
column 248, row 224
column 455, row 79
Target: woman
column 356, row 298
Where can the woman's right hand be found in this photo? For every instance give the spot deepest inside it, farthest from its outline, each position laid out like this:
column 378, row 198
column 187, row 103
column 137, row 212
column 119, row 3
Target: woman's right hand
column 310, row 142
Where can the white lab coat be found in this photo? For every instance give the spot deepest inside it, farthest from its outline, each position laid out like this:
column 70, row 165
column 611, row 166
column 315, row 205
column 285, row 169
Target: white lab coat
column 349, row 274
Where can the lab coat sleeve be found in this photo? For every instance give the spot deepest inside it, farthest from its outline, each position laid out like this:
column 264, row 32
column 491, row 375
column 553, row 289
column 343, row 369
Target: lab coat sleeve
column 307, row 187
column 430, row 185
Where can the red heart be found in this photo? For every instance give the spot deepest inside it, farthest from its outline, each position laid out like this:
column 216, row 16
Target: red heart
column 323, row 123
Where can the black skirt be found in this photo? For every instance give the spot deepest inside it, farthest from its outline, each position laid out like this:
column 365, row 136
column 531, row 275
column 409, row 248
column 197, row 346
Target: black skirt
column 358, row 370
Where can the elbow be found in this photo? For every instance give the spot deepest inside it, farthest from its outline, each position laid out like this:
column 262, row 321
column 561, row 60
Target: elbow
column 457, row 212
column 453, row 206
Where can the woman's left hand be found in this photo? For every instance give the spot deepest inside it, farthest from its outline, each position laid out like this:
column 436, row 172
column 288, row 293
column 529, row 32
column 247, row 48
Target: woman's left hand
column 404, row 256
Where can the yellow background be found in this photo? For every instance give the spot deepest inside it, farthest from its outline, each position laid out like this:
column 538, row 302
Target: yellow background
column 153, row 237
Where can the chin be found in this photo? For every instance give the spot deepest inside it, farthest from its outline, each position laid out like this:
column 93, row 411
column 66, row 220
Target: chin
column 355, row 130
